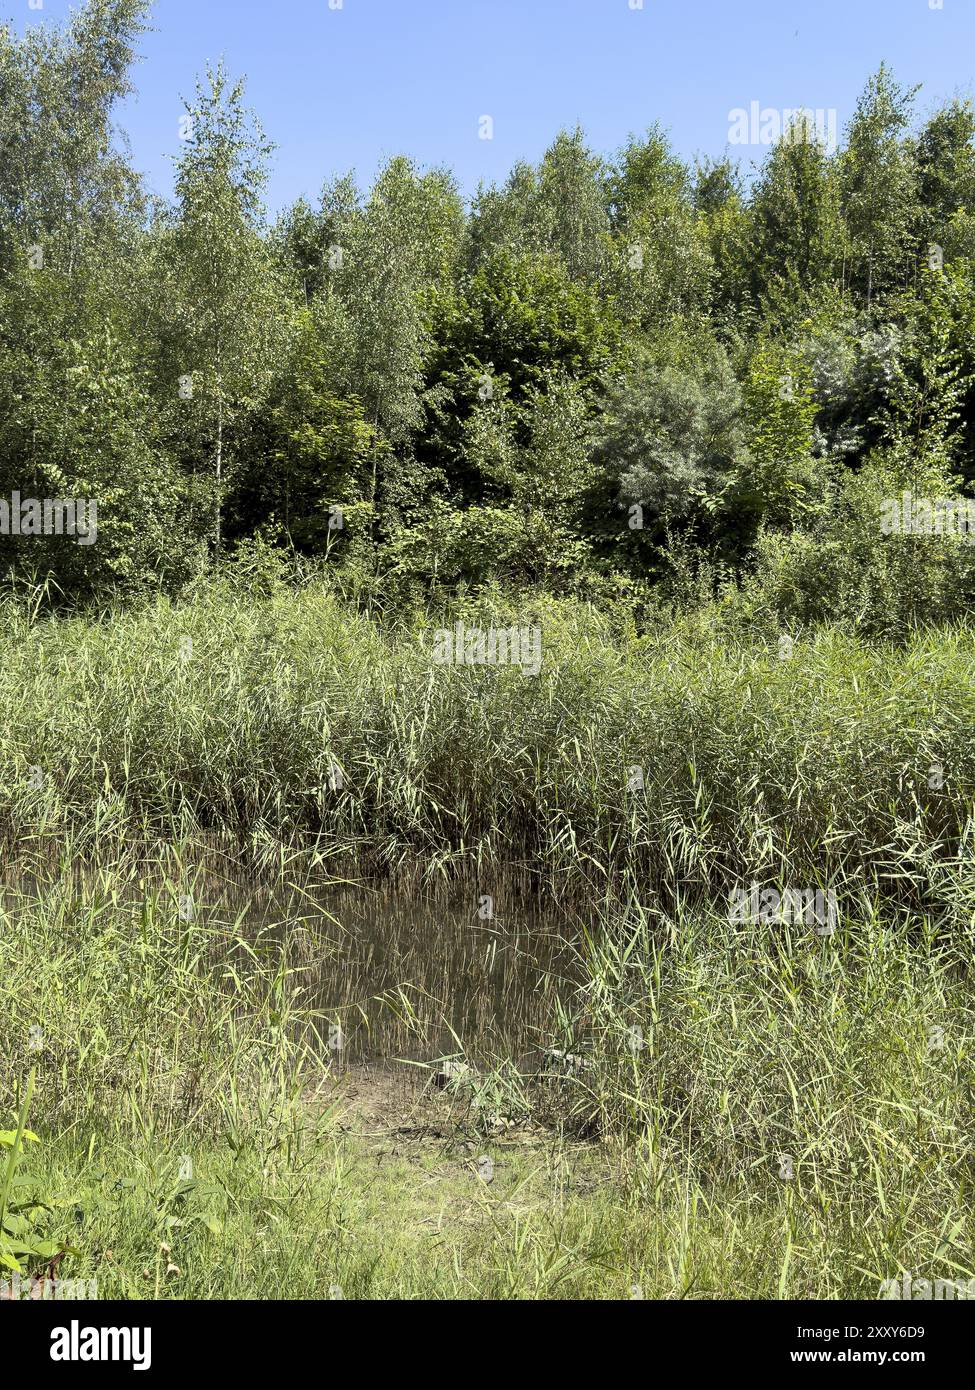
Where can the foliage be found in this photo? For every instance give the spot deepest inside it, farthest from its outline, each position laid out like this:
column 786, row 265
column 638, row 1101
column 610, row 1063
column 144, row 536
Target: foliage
column 427, row 396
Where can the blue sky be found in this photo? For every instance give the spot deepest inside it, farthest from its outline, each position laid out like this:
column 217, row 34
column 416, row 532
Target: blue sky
column 346, row 87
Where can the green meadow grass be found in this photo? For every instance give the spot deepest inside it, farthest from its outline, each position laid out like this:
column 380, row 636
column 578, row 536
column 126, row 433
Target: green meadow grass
column 760, row 1111
column 794, row 1121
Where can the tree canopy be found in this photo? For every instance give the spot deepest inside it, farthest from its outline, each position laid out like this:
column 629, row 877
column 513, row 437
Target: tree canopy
column 605, row 355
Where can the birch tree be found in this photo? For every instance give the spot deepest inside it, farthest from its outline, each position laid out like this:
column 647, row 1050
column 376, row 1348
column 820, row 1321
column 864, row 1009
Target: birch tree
column 225, row 306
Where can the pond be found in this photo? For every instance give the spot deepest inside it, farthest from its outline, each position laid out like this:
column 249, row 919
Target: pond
column 396, row 975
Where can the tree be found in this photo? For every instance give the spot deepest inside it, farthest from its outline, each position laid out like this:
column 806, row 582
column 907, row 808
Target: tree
column 510, row 326
column 672, row 432
column 308, row 453
column 78, row 425
column 878, row 179
column 797, row 234
column 76, row 415
column 946, row 181
column 63, row 186
column 559, row 210
column 222, row 326
column 723, row 217
column 388, row 257
column 777, row 479
column 663, row 263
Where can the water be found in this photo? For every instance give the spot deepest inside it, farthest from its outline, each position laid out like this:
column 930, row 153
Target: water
column 403, row 976
column 387, row 972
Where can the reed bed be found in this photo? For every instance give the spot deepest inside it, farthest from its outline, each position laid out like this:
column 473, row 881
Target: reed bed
column 686, row 759
column 760, row 1113
column 198, row 800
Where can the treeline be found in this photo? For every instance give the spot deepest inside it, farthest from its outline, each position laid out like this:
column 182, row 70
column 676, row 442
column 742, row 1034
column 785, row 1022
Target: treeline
column 604, row 375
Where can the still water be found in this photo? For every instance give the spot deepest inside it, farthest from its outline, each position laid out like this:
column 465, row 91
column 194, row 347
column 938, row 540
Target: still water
column 399, row 976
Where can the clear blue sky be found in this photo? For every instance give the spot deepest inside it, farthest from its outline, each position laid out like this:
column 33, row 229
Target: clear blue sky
column 344, row 88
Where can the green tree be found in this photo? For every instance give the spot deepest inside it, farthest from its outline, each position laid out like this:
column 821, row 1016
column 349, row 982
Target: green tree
column 797, row 237
column 222, row 322
column 672, row 434
column 878, row 178
column 946, row 181
column 308, row 453
column 559, row 209
column 776, row 481
column 723, row 217
column 63, row 184
column 663, row 261
column 387, row 258
column 514, row 323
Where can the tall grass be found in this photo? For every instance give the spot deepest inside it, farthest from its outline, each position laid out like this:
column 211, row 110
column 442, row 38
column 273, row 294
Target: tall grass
column 683, row 758
column 753, row 1109
column 778, row 1115
column 769, row 1070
